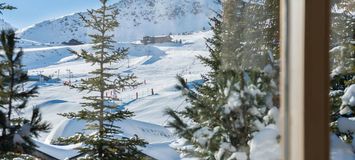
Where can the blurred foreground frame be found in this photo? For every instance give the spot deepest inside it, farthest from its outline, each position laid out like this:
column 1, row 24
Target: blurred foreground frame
column 305, row 28
column 304, row 42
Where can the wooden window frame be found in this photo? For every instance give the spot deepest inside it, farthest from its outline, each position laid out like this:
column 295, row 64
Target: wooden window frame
column 305, row 79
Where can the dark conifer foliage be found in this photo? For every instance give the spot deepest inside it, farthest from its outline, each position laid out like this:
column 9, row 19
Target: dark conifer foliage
column 17, row 131
column 238, row 91
column 342, row 56
column 4, row 6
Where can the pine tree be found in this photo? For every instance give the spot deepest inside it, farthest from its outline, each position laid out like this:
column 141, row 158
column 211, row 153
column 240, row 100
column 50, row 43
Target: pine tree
column 251, row 37
column 105, row 143
column 4, row 6
column 342, row 31
column 233, row 102
column 203, row 100
column 342, row 60
column 17, row 131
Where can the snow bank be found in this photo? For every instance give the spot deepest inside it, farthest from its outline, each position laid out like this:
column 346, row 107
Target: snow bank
column 274, row 114
column 161, row 151
column 340, row 150
column 68, row 59
column 346, row 125
column 66, row 128
column 264, row 145
column 59, row 152
column 158, row 138
column 149, row 132
column 349, row 96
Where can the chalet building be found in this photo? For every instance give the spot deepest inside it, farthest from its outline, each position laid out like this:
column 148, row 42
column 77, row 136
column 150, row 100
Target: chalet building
column 151, row 40
column 73, row 42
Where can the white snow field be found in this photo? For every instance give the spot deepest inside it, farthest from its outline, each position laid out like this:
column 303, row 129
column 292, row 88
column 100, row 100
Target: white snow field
column 157, row 65
column 137, row 18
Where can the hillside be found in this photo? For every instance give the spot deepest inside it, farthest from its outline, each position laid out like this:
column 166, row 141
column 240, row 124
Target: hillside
column 156, row 64
column 137, row 18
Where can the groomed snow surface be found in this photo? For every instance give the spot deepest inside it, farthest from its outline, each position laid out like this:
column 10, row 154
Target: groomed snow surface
column 156, row 65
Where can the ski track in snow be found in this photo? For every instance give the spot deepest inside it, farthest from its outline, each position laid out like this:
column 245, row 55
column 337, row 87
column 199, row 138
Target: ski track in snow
column 157, row 64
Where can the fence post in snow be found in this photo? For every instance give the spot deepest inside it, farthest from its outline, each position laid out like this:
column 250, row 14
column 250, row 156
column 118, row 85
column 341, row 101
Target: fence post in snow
column 152, row 91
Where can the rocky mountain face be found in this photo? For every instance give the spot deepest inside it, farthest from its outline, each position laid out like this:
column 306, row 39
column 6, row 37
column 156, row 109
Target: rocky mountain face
column 138, row 18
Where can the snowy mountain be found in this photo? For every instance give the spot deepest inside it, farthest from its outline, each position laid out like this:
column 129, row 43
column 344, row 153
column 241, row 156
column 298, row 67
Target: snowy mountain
column 4, row 25
column 155, row 65
column 137, row 18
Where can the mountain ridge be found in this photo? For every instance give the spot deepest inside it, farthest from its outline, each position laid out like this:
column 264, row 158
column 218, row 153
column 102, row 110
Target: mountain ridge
column 137, row 18
column 5, row 25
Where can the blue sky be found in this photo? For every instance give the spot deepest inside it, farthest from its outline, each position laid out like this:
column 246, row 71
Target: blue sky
column 30, row 12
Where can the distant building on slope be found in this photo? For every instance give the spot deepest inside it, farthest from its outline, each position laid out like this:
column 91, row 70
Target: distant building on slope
column 151, row 40
column 73, row 42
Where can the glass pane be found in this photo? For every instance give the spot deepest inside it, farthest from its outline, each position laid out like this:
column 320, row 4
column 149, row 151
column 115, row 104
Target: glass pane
column 342, row 62
column 242, row 118
column 140, row 79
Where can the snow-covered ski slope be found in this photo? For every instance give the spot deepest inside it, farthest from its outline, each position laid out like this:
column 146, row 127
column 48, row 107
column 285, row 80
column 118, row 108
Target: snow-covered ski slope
column 156, row 67
column 137, row 18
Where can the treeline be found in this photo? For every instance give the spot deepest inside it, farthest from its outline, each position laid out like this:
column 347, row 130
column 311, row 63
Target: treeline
column 16, row 140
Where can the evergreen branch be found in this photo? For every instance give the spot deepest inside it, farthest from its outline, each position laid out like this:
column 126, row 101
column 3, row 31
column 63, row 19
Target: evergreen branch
column 4, row 6
column 37, row 124
column 86, row 56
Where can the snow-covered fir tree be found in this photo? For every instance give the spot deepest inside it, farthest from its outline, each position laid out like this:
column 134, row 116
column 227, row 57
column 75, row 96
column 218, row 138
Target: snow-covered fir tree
column 105, row 142
column 342, row 36
column 342, row 56
column 251, row 34
column 234, row 102
column 16, row 131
